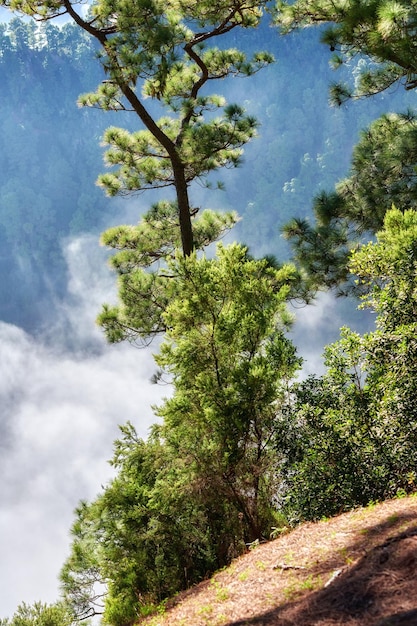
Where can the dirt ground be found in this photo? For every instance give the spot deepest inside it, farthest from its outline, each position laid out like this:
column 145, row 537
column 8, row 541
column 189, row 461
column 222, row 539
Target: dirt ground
column 357, row 569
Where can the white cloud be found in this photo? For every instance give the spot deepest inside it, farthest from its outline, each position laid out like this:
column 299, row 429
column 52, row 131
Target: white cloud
column 315, row 325
column 318, row 325
column 62, row 397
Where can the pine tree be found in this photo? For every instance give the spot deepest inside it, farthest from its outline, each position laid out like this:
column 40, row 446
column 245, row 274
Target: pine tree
column 382, row 173
column 384, row 31
column 186, row 501
column 157, row 57
column 383, row 164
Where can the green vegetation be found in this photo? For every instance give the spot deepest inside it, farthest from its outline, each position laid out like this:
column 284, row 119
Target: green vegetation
column 48, row 145
column 382, row 30
column 383, row 173
column 188, row 499
column 351, row 433
column 239, row 447
column 161, row 51
column 40, row 614
column 383, row 164
column 147, row 278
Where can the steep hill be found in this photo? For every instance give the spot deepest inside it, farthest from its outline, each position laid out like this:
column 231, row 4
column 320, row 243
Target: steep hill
column 359, row 568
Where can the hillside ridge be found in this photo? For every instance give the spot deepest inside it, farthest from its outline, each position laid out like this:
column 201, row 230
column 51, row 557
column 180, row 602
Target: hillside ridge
column 359, row 568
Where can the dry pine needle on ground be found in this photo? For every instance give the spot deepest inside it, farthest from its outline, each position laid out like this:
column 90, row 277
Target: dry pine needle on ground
column 357, row 569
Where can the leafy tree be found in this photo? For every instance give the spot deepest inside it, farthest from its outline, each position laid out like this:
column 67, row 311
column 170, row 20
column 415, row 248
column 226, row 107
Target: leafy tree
column 159, row 50
column 145, row 531
column 230, row 362
column 382, row 170
column 37, row 146
column 40, row 614
column 83, row 582
column 383, row 31
column 382, row 173
column 322, row 249
column 334, row 438
column 352, row 433
column 204, row 483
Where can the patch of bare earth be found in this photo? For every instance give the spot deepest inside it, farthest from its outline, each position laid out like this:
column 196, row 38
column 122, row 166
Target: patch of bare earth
column 357, row 569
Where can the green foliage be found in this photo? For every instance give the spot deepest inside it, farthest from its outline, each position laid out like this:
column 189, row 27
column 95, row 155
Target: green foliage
column 205, row 147
column 83, row 583
column 40, row 614
column 332, row 461
column 187, row 500
column 229, row 360
column 146, row 282
column 321, row 251
column 159, row 50
column 141, row 542
column 387, row 271
column 353, row 432
column 382, row 30
column 301, row 149
column 207, row 480
column 382, row 173
column 383, row 165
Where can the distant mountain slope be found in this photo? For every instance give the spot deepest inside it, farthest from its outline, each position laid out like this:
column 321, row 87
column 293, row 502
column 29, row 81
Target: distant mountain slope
column 49, row 159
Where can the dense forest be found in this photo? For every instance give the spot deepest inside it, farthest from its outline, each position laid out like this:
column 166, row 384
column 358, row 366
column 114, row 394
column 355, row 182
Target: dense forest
column 323, row 200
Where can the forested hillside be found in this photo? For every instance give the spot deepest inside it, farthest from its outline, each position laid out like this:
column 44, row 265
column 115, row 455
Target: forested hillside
column 322, row 200
column 49, row 161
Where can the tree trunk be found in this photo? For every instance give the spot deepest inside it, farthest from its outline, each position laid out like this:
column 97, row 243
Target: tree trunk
column 187, row 239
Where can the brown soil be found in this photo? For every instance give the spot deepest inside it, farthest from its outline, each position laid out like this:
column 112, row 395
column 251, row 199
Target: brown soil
column 357, row 569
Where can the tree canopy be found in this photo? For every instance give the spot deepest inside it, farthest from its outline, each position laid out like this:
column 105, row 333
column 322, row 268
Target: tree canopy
column 147, row 281
column 351, row 434
column 40, row 614
column 383, row 164
column 160, row 51
column 382, row 173
column 204, row 483
column 382, row 30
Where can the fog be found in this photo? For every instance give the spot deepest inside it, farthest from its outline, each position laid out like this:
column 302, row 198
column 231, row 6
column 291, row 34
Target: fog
column 61, row 404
